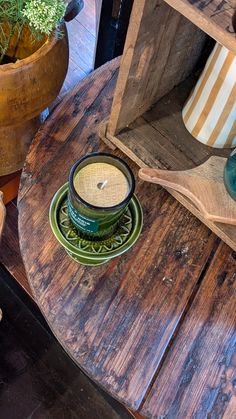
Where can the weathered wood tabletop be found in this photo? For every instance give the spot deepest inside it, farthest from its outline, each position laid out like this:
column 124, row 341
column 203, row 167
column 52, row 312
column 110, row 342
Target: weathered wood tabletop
column 154, row 327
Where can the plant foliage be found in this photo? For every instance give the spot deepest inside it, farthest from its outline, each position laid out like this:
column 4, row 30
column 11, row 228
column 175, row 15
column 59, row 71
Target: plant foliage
column 42, row 16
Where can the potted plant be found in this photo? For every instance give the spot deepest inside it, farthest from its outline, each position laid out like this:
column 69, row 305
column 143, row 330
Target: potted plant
column 34, row 56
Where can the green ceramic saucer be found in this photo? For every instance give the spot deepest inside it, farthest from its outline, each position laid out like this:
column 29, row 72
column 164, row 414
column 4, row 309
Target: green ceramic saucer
column 94, row 252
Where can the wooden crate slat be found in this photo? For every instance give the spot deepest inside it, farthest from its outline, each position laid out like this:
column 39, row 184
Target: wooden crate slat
column 213, row 17
column 156, row 58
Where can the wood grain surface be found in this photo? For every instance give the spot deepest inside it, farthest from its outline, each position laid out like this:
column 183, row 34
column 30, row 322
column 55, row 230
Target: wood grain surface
column 197, row 379
column 215, row 17
column 117, row 321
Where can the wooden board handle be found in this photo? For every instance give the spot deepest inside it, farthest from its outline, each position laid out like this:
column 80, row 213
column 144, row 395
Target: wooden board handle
column 203, row 186
column 2, row 213
column 170, row 179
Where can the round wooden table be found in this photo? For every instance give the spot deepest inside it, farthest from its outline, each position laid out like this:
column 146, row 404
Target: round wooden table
column 155, row 327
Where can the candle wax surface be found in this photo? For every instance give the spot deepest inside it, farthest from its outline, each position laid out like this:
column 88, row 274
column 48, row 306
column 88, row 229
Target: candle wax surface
column 101, row 184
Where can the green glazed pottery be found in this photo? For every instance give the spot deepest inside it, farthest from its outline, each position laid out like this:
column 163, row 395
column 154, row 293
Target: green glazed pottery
column 91, row 219
column 230, row 175
column 97, row 251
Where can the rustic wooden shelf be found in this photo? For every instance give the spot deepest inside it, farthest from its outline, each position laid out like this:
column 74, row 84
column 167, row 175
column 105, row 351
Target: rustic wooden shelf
column 159, row 139
column 165, row 42
column 213, row 17
column 161, row 50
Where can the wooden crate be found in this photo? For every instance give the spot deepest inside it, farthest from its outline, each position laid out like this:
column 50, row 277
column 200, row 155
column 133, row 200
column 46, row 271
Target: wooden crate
column 165, row 41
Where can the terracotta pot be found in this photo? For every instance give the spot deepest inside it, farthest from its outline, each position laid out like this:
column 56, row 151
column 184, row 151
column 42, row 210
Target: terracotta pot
column 210, row 112
column 27, row 87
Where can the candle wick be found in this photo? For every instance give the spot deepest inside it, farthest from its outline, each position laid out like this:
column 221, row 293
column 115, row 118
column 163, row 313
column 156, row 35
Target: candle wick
column 102, row 185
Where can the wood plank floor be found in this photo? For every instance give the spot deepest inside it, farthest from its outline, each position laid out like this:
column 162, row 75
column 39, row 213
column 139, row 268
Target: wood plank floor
column 37, row 378
column 82, row 39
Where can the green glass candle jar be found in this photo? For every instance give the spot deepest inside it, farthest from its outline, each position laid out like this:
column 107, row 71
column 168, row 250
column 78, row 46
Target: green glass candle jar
column 230, row 175
column 100, row 189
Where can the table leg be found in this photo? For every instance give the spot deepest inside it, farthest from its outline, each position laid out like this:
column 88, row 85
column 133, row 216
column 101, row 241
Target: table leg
column 2, row 213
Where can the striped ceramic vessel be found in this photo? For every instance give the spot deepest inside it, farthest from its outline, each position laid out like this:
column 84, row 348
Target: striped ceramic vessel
column 210, row 112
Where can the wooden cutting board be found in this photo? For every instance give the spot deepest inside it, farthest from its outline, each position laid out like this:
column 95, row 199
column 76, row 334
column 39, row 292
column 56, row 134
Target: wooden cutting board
column 203, row 185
